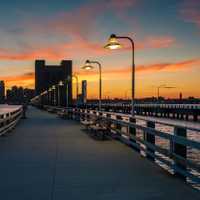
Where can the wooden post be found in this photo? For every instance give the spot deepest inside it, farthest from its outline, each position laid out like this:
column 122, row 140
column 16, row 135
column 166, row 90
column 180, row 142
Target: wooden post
column 150, row 139
column 180, row 150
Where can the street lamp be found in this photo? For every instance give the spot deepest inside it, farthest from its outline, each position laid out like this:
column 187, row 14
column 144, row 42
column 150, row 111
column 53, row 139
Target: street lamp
column 88, row 65
column 60, row 84
column 50, row 96
column 114, row 44
column 163, row 86
column 76, row 77
column 54, row 92
column 158, row 90
column 67, row 80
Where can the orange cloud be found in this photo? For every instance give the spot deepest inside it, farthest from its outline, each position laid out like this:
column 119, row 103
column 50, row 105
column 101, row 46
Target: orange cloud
column 79, row 48
column 28, row 78
column 25, row 80
column 76, row 26
column 162, row 67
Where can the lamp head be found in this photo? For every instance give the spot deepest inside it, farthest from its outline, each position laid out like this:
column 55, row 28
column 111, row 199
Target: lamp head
column 53, row 87
column 60, row 83
column 113, row 43
column 50, row 90
column 87, row 65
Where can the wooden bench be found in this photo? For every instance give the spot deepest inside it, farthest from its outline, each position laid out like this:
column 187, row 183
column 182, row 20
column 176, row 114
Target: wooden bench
column 63, row 114
column 98, row 132
column 96, row 127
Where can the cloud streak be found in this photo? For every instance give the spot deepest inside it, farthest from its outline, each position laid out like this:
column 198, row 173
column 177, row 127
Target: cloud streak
column 170, row 67
column 76, row 26
column 157, row 67
column 79, row 48
column 190, row 11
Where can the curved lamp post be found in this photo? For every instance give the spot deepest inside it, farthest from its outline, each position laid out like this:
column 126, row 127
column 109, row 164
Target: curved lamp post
column 114, row 44
column 50, row 96
column 60, row 84
column 76, row 77
column 54, row 92
column 88, row 65
column 164, row 87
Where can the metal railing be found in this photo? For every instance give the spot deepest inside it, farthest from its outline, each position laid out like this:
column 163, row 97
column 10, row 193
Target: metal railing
column 8, row 120
column 147, row 137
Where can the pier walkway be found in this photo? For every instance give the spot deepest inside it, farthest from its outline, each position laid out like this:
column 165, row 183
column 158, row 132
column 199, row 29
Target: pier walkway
column 46, row 158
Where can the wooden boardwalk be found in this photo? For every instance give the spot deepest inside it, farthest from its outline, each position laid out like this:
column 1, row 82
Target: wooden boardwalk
column 46, row 158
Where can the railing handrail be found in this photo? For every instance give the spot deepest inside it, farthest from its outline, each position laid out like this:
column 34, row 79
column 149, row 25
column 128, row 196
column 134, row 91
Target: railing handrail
column 9, row 119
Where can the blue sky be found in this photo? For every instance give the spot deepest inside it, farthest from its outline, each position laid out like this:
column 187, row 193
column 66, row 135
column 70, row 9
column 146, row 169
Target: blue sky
column 166, row 33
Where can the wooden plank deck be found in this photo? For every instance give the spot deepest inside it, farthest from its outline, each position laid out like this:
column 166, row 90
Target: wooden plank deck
column 46, row 158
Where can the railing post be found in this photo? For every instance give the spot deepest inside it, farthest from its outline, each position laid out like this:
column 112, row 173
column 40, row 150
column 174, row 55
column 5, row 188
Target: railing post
column 108, row 117
column 83, row 115
column 150, row 139
column 118, row 125
column 88, row 115
column 180, row 150
column 132, row 130
column 78, row 115
column 132, row 133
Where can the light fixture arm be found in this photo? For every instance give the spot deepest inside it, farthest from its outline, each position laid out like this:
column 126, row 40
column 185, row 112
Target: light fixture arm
column 100, row 81
column 133, row 69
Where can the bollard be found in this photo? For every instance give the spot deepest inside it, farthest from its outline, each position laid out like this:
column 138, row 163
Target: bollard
column 180, row 150
column 150, row 139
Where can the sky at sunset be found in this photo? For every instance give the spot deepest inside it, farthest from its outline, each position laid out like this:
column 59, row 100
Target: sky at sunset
column 166, row 36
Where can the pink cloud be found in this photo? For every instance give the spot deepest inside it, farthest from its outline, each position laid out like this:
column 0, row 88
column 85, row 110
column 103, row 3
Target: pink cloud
column 190, row 11
column 121, row 5
column 77, row 25
column 150, row 68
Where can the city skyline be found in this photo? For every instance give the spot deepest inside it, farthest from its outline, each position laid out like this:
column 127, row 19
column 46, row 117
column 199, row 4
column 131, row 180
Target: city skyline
column 167, row 47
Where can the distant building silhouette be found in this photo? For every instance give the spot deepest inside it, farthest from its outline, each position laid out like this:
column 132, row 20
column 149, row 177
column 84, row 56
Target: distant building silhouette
column 180, row 96
column 19, row 95
column 2, row 92
column 48, row 75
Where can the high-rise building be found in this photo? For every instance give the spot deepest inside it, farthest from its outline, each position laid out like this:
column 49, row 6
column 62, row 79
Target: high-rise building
column 2, row 92
column 48, row 75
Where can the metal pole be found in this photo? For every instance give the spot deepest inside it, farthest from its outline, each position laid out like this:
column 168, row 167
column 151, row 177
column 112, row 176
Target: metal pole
column 54, row 97
column 67, row 102
column 133, row 72
column 100, row 82
column 76, row 77
column 58, row 95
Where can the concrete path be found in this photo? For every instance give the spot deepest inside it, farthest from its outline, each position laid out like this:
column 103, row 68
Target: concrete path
column 46, row 158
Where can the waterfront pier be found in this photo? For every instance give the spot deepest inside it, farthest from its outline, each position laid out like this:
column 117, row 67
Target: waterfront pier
column 48, row 158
